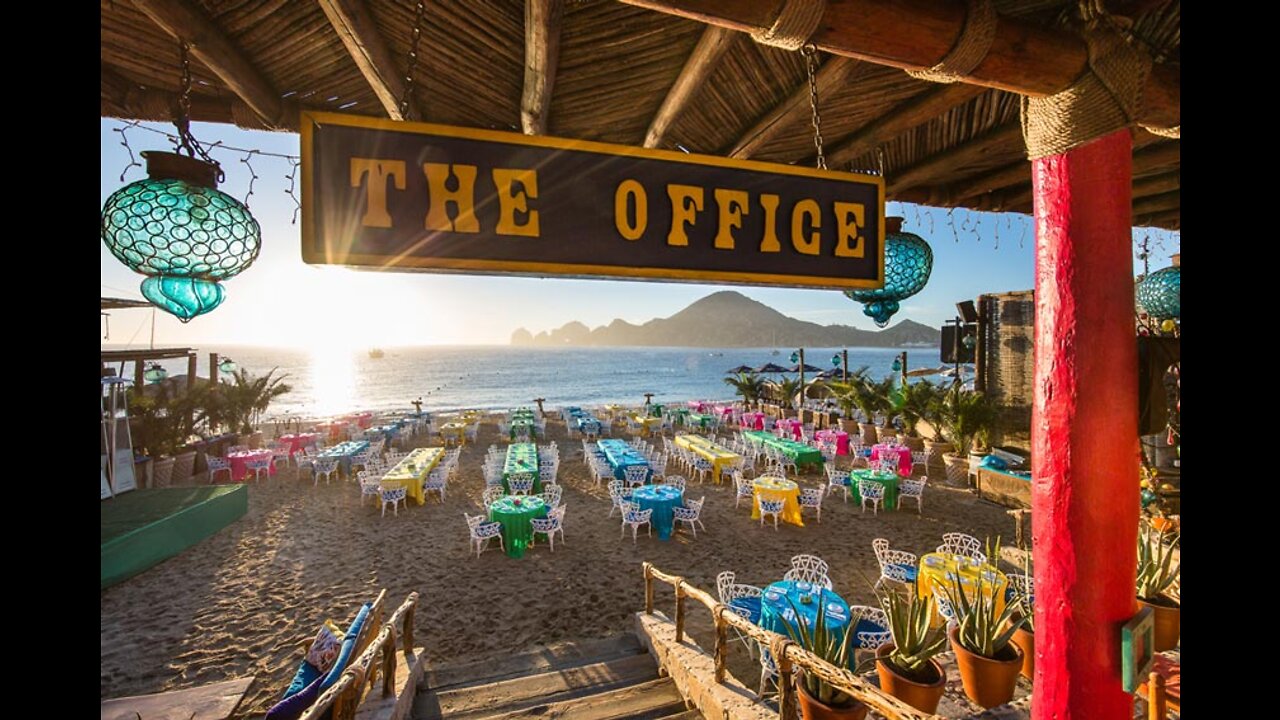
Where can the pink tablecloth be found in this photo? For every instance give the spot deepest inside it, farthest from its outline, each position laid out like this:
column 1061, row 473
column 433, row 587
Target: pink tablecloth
column 364, row 420
column 839, row 437
column 754, row 420
column 238, row 459
column 904, row 457
column 697, row 405
column 336, row 430
column 794, row 425
column 299, row 441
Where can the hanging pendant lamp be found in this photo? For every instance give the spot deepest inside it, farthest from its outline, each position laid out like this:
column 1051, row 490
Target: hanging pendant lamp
column 908, row 261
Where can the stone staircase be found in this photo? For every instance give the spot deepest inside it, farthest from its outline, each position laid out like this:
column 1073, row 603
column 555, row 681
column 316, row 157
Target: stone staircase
column 611, row 679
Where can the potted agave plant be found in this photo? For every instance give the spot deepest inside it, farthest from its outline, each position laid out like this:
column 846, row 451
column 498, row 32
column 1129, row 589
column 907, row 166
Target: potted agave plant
column 988, row 661
column 1157, row 574
column 906, row 666
column 818, row 699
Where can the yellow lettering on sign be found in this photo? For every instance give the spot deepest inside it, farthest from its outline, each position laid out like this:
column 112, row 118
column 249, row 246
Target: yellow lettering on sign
column 511, row 201
column 806, row 209
column 769, row 241
column 849, row 218
column 630, row 191
column 439, row 196
column 682, row 213
column 375, row 193
column 733, row 205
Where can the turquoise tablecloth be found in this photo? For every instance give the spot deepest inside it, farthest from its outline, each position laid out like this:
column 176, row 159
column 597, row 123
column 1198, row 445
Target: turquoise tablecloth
column 776, row 612
column 344, row 451
column 888, row 480
column 517, row 530
column 522, row 458
column 621, row 456
column 660, row 499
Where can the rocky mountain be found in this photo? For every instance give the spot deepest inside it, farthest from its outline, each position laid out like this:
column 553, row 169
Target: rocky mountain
column 730, row 319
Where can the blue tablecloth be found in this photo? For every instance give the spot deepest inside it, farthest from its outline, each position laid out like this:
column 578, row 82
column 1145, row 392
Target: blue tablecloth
column 386, row 431
column 661, row 499
column 775, row 611
column 584, row 420
column 344, row 451
column 621, row 456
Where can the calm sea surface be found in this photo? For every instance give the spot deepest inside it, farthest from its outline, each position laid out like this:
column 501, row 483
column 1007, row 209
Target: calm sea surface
column 337, row 381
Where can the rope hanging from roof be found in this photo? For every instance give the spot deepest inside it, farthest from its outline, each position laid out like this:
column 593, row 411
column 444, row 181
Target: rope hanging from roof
column 796, row 22
column 970, row 48
column 1104, row 99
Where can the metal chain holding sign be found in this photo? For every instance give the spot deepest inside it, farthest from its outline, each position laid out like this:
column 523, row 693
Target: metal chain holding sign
column 407, row 101
column 810, row 54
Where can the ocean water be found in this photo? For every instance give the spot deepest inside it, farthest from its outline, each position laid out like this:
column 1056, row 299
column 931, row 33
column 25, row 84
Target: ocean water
column 335, row 381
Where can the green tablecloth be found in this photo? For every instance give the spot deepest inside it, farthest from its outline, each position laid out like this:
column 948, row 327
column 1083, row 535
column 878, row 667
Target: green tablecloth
column 522, row 414
column 522, row 458
column 679, row 415
column 525, row 423
column 698, row 419
column 655, row 410
column 517, row 530
column 888, row 480
column 797, row 452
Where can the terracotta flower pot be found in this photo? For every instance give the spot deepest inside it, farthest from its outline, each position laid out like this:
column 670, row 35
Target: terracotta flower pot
column 886, row 434
column 987, row 681
column 957, row 469
column 916, row 444
column 868, row 433
column 934, row 450
column 162, row 472
column 1168, row 623
column 813, row 709
column 1026, row 642
column 850, row 426
column 923, row 697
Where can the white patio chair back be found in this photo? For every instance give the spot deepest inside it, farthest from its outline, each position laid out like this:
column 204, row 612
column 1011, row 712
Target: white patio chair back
column 635, row 517
column 913, row 490
column 216, row 465
column 960, row 543
column 492, row 494
column 436, row 481
column 690, row 514
column 258, row 466
column 867, row 639
column 636, row 474
column 551, row 495
column 812, row 498
column 871, row 492
column 520, row 483
column 745, row 489
column 675, row 481
column 393, row 496
column 482, row 532
column 811, row 569
column 1023, row 587
column 326, row 466
column 837, row 480
column 370, row 487
column 550, row 525
column 897, row 566
column 770, row 507
column 920, row 458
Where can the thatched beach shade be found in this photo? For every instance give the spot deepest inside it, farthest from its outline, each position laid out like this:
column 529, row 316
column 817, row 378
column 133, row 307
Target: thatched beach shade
column 807, row 368
column 770, row 368
column 739, row 370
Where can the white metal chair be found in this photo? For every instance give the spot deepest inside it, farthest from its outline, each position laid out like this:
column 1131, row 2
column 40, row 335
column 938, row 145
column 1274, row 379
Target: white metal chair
column 811, row 569
column 520, row 483
column 745, row 489
column 394, row 496
column 547, row 473
column 919, row 457
column 551, row 495
column 636, row 475
column 837, row 480
column 914, row 490
column 689, row 514
column 869, row 640
column 492, row 494
column 959, row 543
column 370, row 487
column 768, row 671
column 258, row 466
column 482, row 532
column 812, row 498
column 675, row 481
column 217, row 465
column 872, row 492
column 635, row 517
column 743, row 600
column 549, row 526
column 771, row 507
column 897, row 566
column 620, row 496
column 435, row 481
column 1022, row 588
column 701, row 466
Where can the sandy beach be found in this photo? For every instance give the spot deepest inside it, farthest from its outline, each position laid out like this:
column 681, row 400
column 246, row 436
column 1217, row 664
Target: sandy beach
column 245, row 601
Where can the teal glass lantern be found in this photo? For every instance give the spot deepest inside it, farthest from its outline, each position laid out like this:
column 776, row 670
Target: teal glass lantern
column 795, row 357
column 227, row 366
column 835, row 360
column 1159, row 293
column 180, row 231
column 969, row 342
column 897, row 364
column 908, row 261
column 154, row 374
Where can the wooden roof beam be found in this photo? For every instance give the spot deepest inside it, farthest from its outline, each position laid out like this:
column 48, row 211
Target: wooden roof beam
column 541, row 56
column 1024, row 58
column 185, row 20
column 829, row 78
column 697, row 68
column 1157, row 203
column 944, row 163
column 906, row 115
column 354, row 24
column 128, row 100
column 1156, row 184
column 1169, row 219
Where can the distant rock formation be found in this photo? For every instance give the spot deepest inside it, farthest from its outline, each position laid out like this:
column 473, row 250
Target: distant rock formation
column 730, row 319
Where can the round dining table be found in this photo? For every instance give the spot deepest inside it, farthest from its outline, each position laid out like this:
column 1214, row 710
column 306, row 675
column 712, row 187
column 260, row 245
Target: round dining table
column 902, row 452
column 773, row 488
column 515, row 515
column 661, row 499
column 239, row 461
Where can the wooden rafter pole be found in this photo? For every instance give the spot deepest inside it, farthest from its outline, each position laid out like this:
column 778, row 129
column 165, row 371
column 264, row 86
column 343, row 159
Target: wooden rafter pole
column 127, row 100
column 1167, row 219
column 944, row 163
column 1024, row 57
column 185, row 20
column 697, row 68
column 541, row 55
column 1157, row 203
column 829, row 78
column 354, row 24
column 906, row 115
column 1156, row 184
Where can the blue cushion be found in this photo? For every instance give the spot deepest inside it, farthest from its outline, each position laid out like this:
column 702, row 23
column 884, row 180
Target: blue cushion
column 995, row 462
column 348, row 648
column 307, row 674
column 750, row 605
column 294, row 705
column 909, row 570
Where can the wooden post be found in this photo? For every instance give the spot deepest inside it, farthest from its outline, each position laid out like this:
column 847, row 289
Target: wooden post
column 1157, row 707
column 648, row 589
column 408, row 627
column 786, row 687
column 1084, row 489
column 980, row 351
column 137, row 375
column 679, row 610
column 389, row 665
column 213, row 368
column 722, row 643
column 191, row 371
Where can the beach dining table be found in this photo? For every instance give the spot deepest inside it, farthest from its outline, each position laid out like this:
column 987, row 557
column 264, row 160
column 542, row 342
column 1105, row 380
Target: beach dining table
column 239, row 461
column 363, row 420
column 455, row 430
column 902, row 452
column 792, row 426
column 753, row 420
column 797, row 452
column 344, row 452
column 620, row 456
column 777, row 489
column 527, row 424
column 411, row 471
column 582, row 420
column 515, row 515
column 839, row 437
column 646, row 422
column 387, row 432
column 298, row 441
column 938, row 569
column 781, row 601
column 661, row 499
column 335, row 429
column 719, row 456
column 697, row 419
column 887, row 479
column 521, row 458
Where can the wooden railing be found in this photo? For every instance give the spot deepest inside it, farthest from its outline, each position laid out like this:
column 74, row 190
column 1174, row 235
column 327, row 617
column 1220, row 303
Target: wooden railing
column 787, row 654
column 344, row 696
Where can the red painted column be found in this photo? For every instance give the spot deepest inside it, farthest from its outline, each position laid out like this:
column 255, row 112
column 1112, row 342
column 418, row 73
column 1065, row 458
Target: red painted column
column 1084, row 430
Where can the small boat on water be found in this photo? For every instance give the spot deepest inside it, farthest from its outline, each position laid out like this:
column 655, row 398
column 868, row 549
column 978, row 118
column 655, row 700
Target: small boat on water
column 376, row 353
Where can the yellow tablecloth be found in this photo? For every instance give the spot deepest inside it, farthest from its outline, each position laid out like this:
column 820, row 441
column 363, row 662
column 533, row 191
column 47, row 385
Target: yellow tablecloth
column 720, row 457
column 646, row 422
column 455, row 430
column 411, row 471
column 936, row 574
column 616, row 410
column 785, row 489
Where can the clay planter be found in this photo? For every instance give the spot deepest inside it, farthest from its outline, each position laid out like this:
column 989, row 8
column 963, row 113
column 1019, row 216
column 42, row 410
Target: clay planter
column 987, row 681
column 916, row 444
column 812, row 709
column 1168, row 623
column 868, row 433
column 162, row 472
column 886, row 434
column 923, row 697
column 934, row 450
column 850, row 426
column 1026, row 642
column 957, row 469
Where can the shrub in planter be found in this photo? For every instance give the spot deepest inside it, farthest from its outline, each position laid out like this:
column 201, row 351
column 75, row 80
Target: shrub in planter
column 1157, row 574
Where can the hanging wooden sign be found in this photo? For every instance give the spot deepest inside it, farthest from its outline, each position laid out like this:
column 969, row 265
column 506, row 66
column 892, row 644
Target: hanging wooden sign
column 416, row 196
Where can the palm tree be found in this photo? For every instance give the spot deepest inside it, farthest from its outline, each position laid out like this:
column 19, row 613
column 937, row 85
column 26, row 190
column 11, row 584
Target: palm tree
column 846, row 392
column 967, row 416
column 749, row 385
column 239, row 405
column 919, row 401
column 788, row 388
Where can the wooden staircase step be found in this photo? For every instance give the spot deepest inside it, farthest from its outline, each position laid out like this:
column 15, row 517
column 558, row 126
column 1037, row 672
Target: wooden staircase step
column 650, row 700
column 560, row 655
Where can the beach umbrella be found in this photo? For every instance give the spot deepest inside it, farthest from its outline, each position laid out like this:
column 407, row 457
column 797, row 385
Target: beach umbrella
column 740, row 369
column 771, row 368
column 920, row 372
column 807, row 368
